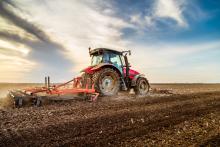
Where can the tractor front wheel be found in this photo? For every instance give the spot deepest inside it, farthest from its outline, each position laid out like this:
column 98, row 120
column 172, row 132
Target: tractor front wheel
column 142, row 87
column 107, row 82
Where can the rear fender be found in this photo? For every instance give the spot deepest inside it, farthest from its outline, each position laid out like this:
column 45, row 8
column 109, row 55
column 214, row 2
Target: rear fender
column 106, row 65
column 92, row 69
column 134, row 80
column 99, row 66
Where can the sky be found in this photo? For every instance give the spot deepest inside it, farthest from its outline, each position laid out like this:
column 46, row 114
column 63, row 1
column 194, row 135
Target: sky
column 172, row 41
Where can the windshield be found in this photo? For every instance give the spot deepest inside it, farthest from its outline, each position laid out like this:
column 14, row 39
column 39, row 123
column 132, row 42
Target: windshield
column 96, row 59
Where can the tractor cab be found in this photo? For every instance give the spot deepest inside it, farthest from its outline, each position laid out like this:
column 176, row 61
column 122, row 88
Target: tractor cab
column 112, row 57
column 107, row 56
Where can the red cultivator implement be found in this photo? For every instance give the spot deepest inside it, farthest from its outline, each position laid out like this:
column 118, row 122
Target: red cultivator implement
column 36, row 95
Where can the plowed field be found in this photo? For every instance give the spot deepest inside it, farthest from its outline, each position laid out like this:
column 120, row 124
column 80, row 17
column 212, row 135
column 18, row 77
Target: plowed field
column 178, row 119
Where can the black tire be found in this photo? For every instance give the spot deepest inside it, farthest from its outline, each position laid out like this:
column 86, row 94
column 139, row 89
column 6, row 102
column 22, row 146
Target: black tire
column 38, row 102
column 103, row 80
column 18, row 102
column 142, row 86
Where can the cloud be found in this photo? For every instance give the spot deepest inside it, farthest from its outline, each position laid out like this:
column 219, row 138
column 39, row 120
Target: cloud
column 80, row 26
column 169, row 53
column 147, row 21
column 43, row 50
column 20, row 22
column 172, row 9
column 9, row 48
column 13, row 62
column 24, row 24
column 176, row 62
column 161, row 11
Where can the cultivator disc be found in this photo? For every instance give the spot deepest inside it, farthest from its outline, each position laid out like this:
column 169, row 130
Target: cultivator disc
column 22, row 98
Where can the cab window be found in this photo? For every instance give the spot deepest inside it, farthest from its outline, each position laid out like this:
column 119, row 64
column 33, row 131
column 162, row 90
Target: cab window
column 96, row 59
column 115, row 59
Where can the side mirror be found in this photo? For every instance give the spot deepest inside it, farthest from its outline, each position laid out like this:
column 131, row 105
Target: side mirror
column 126, row 52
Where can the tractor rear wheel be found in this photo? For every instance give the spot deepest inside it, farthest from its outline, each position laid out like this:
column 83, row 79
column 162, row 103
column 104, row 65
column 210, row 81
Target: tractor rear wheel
column 142, row 87
column 107, row 82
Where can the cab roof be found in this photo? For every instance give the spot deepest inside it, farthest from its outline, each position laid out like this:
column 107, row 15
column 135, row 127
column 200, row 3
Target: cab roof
column 94, row 51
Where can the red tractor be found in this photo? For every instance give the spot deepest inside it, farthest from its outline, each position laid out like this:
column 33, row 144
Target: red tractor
column 110, row 72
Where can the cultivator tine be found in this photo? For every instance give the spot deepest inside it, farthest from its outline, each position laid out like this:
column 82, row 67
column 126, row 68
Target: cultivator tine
column 88, row 83
column 94, row 97
column 37, row 101
column 93, row 86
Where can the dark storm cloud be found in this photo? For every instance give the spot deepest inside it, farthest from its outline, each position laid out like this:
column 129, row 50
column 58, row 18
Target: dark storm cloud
column 20, row 22
column 9, row 2
column 43, row 49
column 6, row 13
column 6, row 35
column 14, row 38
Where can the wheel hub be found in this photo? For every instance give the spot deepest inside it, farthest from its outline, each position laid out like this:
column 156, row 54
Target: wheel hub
column 143, row 87
column 107, row 83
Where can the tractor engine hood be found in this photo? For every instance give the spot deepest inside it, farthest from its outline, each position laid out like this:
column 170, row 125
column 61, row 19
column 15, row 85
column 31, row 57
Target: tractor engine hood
column 132, row 73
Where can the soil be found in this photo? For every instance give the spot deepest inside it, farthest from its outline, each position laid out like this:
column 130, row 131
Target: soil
column 125, row 120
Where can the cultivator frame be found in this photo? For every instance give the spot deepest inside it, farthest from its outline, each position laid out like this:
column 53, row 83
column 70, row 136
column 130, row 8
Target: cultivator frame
column 73, row 86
